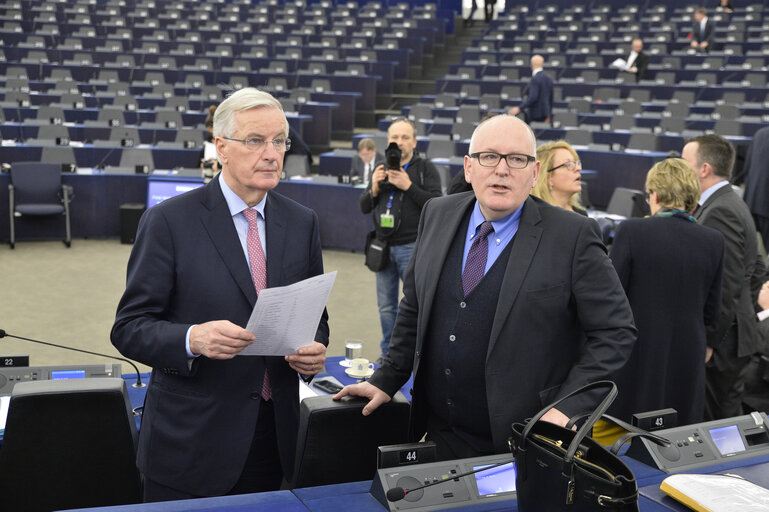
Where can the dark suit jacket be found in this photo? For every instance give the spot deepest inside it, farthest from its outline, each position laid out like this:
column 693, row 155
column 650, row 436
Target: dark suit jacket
column 726, row 212
column 671, row 271
column 562, row 318
column 757, row 174
column 641, row 63
column 539, row 101
column 707, row 36
column 188, row 267
column 357, row 165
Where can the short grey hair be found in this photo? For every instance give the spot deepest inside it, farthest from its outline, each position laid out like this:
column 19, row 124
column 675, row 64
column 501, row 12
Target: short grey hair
column 240, row 100
column 472, row 138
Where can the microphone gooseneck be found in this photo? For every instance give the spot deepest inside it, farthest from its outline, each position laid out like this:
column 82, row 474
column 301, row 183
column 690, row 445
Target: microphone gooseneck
column 138, row 384
column 398, row 493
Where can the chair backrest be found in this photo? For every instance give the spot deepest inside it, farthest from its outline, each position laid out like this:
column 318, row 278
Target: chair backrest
column 439, row 148
column 69, row 444
column 296, row 165
column 58, row 154
column 627, row 202
column 131, row 157
column 647, row 141
column 337, row 444
column 36, row 182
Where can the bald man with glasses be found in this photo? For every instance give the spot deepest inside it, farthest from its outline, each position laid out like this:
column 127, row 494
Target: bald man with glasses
column 509, row 303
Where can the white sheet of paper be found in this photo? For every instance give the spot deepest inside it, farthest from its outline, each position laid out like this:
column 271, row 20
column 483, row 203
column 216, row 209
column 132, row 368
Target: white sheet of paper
column 5, row 401
column 286, row 318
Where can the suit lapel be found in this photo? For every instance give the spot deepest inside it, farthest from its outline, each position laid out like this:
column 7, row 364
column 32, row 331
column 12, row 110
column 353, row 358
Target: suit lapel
column 522, row 254
column 438, row 244
column 218, row 223
column 276, row 240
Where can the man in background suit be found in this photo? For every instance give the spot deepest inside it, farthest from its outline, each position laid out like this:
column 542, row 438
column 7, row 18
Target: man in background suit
column 702, row 31
column 637, row 61
column 509, row 303
column 734, row 337
column 539, row 99
column 215, row 423
column 364, row 163
column 756, row 175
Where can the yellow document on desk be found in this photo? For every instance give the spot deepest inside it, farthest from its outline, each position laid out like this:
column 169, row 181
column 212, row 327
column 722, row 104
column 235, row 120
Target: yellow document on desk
column 716, row 493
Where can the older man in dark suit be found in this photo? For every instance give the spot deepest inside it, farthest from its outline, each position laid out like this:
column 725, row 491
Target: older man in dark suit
column 734, row 338
column 538, row 104
column 215, row 423
column 508, row 304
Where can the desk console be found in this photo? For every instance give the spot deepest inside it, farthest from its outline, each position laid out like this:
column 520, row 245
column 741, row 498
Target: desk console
column 10, row 376
column 705, row 444
column 496, row 484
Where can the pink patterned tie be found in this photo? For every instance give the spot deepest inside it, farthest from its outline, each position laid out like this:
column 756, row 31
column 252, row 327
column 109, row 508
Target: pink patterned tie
column 258, row 273
column 475, row 266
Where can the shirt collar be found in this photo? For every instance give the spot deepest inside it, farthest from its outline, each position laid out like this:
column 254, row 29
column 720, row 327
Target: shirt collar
column 235, row 203
column 712, row 190
column 535, row 71
column 501, row 226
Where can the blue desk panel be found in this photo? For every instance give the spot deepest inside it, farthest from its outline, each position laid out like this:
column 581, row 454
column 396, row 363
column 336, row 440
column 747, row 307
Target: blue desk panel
column 278, row 501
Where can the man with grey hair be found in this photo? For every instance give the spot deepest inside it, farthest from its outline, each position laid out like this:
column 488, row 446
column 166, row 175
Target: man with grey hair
column 509, row 303
column 734, row 337
column 215, row 423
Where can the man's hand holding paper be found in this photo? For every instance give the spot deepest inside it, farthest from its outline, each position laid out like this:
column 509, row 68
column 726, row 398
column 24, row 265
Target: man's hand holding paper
column 308, row 360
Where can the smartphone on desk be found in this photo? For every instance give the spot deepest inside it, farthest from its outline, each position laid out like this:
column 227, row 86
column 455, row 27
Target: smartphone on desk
column 328, row 384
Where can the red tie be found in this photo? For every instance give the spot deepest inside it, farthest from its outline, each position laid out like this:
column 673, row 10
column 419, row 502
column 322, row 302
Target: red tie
column 258, row 273
column 475, row 266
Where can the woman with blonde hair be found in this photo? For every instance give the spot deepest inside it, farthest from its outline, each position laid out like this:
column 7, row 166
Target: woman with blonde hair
column 560, row 182
column 670, row 268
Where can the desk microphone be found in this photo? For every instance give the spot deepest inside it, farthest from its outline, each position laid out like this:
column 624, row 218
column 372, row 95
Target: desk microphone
column 138, row 384
column 398, row 493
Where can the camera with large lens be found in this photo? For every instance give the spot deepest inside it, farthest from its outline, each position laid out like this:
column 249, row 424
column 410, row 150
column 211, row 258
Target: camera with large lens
column 393, row 157
column 392, row 163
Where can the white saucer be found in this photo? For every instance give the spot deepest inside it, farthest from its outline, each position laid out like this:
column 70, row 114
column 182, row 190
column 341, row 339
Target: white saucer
column 358, row 375
column 345, row 363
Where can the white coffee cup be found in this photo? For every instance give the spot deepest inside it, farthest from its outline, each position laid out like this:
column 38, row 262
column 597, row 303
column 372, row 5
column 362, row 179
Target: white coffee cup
column 360, row 366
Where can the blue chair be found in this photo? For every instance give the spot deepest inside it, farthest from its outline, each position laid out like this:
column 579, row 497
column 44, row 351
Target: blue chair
column 36, row 190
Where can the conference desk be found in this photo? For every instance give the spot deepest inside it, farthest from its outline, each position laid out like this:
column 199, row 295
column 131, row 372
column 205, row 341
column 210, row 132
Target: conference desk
column 355, row 495
column 95, row 208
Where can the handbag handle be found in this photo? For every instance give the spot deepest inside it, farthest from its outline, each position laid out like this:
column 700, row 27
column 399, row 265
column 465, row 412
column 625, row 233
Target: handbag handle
column 632, row 431
column 582, row 432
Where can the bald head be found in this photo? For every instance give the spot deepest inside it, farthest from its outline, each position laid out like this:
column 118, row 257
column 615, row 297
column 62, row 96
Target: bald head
column 637, row 45
column 537, row 61
column 506, row 124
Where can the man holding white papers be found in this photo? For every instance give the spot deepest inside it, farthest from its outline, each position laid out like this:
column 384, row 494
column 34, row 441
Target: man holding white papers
column 214, row 423
column 636, row 61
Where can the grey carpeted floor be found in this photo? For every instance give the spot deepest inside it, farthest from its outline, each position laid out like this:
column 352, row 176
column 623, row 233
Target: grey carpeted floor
column 69, row 296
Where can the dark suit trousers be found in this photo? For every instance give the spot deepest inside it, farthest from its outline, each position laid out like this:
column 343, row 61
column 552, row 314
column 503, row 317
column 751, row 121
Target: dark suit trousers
column 262, row 471
column 725, row 376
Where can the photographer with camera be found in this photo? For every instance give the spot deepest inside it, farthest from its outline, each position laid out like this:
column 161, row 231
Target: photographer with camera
column 396, row 194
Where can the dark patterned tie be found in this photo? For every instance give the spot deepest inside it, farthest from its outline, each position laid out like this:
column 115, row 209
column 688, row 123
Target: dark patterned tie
column 476, row 259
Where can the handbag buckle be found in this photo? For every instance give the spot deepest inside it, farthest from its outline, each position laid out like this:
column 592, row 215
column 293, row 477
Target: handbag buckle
column 604, row 500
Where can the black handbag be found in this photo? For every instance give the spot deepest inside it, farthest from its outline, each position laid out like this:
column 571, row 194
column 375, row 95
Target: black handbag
column 560, row 469
column 377, row 253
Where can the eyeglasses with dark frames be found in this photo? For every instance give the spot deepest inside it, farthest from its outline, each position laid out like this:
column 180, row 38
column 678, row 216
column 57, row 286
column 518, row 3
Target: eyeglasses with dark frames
column 569, row 165
column 513, row 160
column 281, row 145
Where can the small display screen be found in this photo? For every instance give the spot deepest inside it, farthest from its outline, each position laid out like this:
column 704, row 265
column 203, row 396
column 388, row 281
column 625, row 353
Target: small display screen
column 727, row 439
column 67, row 374
column 160, row 190
column 496, row 480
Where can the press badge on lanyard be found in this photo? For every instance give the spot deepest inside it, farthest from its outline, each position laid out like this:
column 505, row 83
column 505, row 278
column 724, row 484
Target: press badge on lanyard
column 387, row 219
